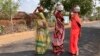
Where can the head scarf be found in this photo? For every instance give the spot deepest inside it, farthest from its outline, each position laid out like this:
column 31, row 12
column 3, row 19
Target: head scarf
column 59, row 6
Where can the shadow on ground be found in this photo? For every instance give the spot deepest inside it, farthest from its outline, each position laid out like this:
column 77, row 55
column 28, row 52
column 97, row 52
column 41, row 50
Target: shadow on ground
column 89, row 44
column 31, row 53
column 23, row 53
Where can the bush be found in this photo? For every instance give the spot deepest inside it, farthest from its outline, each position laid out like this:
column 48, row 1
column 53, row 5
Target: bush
column 1, row 29
column 98, row 17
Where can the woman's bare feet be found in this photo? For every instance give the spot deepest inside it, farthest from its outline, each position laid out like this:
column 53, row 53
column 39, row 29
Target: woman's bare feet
column 77, row 53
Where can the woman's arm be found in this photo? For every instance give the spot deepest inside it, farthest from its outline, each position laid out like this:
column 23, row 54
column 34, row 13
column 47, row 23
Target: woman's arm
column 35, row 10
column 45, row 23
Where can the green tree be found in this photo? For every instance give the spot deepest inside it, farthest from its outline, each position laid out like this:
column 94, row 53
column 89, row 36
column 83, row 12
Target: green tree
column 48, row 4
column 98, row 9
column 7, row 8
column 98, row 12
column 86, row 5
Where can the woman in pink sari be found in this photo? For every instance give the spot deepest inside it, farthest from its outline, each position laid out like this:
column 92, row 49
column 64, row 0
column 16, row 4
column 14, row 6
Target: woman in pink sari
column 75, row 30
column 58, row 37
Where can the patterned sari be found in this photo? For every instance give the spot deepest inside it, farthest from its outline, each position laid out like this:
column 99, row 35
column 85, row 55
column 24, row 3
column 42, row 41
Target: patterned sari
column 42, row 37
column 58, row 37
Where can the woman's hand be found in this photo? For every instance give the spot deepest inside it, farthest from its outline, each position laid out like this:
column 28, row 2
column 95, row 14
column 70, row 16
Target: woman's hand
column 60, row 21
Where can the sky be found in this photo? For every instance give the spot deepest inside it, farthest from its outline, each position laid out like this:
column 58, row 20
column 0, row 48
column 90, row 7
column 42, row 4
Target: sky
column 97, row 3
column 29, row 5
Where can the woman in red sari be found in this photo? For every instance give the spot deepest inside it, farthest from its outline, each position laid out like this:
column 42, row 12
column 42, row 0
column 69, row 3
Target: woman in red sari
column 75, row 31
column 58, row 37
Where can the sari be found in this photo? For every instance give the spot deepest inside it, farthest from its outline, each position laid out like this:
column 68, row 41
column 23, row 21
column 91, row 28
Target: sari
column 75, row 33
column 58, row 37
column 42, row 36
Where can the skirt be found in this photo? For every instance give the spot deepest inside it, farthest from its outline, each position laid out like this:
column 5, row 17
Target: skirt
column 42, row 41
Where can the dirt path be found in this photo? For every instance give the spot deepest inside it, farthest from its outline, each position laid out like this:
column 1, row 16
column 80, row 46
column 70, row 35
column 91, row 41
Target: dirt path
column 11, row 38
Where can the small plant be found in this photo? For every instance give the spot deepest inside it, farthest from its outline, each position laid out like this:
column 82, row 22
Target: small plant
column 1, row 29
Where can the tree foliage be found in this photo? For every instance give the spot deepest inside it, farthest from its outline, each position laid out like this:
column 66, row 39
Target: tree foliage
column 7, row 8
column 86, row 5
column 98, row 9
column 48, row 4
column 98, row 12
